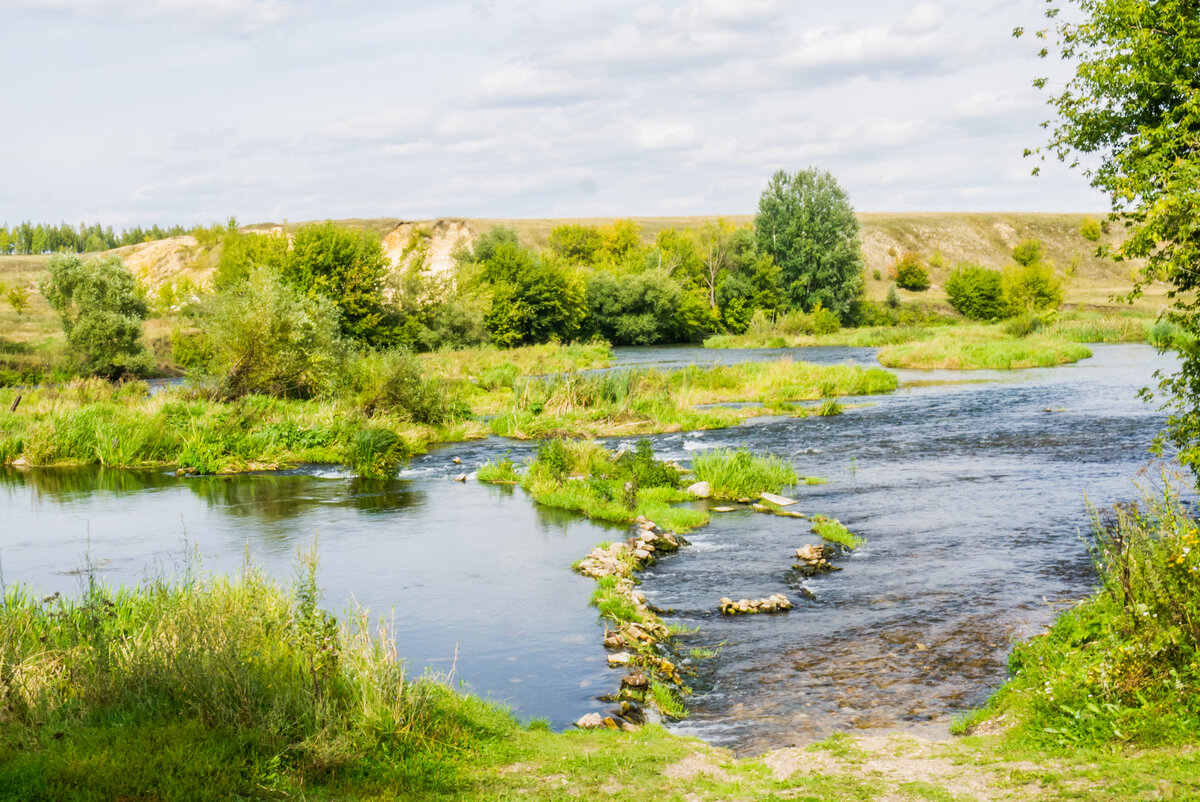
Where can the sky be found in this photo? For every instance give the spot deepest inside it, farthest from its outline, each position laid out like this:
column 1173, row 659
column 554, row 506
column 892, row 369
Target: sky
column 134, row 112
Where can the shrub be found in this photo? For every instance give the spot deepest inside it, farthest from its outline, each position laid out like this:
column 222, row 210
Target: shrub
column 824, row 321
column 102, row 307
column 911, row 274
column 1028, row 251
column 265, row 337
column 1089, row 229
column 976, row 292
column 1031, row 287
column 393, row 381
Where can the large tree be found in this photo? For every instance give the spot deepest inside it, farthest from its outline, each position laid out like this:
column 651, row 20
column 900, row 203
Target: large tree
column 806, row 224
column 1130, row 115
column 102, row 307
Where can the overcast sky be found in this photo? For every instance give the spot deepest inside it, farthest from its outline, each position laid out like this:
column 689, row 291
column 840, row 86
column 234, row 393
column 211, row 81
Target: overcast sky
column 144, row 111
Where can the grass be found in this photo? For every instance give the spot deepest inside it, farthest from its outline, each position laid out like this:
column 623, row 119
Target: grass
column 835, row 531
column 640, row 401
column 1124, row 665
column 218, row 688
column 501, row 471
column 738, row 474
column 952, row 352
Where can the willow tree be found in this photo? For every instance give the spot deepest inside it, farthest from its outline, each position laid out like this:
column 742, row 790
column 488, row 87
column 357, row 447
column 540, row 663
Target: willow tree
column 1130, row 118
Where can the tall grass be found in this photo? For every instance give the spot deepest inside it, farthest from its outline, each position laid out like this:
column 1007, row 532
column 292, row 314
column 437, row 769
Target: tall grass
column 216, row 688
column 639, row 401
column 1123, row 665
column 735, row 474
column 952, row 353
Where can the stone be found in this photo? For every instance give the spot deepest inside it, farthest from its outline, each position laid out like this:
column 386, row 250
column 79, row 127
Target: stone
column 779, row 501
column 700, row 490
column 641, row 554
column 636, row 680
column 462, row 477
column 590, row 722
column 619, row 659
column 456, row 461
column 610, row 723
column 722, row 509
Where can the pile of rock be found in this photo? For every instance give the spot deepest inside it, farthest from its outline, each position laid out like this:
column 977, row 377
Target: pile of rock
column 814, row 559
column 649, row 540
column 772, row 604
column 613, row 561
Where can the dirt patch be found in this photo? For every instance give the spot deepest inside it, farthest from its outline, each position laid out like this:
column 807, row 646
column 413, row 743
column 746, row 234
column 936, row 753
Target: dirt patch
column 693, row 766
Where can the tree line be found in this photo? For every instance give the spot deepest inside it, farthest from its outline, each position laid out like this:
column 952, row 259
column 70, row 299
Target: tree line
column 37, row 238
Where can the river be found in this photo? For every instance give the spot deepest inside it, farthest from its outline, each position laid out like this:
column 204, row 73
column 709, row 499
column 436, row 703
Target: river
column 970, row 489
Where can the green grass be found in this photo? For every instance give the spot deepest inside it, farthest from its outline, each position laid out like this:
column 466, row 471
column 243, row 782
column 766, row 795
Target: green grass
column 218, row 688
column 1124, row 665
column 835, row 532
column 737, row 474
column 953, row 353
column 501, row 471
column 639, row 401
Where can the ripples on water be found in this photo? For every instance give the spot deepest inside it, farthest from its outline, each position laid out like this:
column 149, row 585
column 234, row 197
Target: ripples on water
column 969, row 493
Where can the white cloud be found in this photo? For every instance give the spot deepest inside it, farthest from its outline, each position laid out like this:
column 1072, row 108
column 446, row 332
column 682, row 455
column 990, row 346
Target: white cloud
column 862, row 48
column 232, row 16
column 664, row 135
column 924, row 18
column 520, row 84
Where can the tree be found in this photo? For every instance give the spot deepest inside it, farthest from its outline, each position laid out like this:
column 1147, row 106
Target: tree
column 264, row 335
column 633, row 310
column 806, row 224
column 976, row 292
column 533, row 300
column 910, row 273
column 1131, row 111
column 347, row 267
column 102, row 307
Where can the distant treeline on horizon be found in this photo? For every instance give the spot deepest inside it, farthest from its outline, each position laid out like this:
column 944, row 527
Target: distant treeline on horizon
column 36, row 238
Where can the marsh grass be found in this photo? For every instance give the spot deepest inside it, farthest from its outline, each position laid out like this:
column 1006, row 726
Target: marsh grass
column 736, row 474
column 957, row 353
column 641, row 401
column 217, row 688
column 1124, row 664
column 500, row 471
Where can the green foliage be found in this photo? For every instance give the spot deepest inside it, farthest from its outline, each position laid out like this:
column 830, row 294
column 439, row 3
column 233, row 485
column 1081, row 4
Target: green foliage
column 1125, row 664
column 264, row 336
column 533, row 300
column 102, row 307
column 1031, row 287
column 501, row 471
column 348, row 268
column 1028, row 252
column 1089, row 229
column 1133, row 107
column 375, row 452
column 735, row 474
column 242, row 251
column 893, row 300
column 910, row 273
column 1166, row 334
column 977, row 292
column 219, row 688
column 807, row 226
column 835, row 531
column 633, row 310
column 578, row 244
column 956, row 353
column 395, row 382
column 18, row 298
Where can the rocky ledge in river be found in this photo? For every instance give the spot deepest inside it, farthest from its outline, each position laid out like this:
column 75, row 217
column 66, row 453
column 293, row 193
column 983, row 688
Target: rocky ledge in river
column 813, row 559
column 776, row 603
column 637, row 643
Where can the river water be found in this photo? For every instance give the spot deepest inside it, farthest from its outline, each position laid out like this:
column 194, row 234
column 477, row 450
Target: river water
column 970, row 490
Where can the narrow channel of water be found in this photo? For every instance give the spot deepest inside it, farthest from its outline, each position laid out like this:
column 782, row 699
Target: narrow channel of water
column 970, row 494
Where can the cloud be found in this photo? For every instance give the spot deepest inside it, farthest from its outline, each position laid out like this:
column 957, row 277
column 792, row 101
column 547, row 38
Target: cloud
column 522, row 84
column 664, row 135
column 225, row 16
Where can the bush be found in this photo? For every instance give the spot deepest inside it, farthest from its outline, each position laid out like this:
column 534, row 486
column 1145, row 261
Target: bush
column 265, row 337
column 976, row 292
column 102, row 307
column 633, row 310
column 392, row 381
column 911, row 274
column 1033, row 287
column 1089, row 229
column 1028, row 252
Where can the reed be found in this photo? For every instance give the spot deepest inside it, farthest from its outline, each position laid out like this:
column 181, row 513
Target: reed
column 738, row 474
